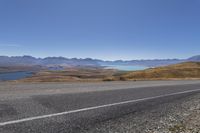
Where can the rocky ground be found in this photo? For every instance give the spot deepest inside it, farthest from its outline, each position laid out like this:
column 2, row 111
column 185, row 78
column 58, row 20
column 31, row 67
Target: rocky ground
column 181, row 116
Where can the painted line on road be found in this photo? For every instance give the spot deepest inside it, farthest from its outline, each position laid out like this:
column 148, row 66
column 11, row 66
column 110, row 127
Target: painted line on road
column 91, row 108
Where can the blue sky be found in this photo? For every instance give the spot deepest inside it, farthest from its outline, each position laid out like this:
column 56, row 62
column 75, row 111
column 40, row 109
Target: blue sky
column 103, row 29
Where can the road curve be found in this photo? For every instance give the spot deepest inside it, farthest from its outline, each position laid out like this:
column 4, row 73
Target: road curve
column 38, row 108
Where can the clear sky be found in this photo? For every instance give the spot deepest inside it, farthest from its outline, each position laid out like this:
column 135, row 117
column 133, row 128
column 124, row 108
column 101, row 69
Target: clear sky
column 103, row 29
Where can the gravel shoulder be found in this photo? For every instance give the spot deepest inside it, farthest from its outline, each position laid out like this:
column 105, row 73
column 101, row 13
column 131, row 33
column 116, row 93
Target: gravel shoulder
column 180, row 116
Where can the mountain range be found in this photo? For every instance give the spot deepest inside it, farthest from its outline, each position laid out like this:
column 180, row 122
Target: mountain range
column 62, row 61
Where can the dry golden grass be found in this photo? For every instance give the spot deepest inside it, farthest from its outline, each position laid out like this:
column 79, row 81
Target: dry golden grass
column 71, row 74
column 187, row 70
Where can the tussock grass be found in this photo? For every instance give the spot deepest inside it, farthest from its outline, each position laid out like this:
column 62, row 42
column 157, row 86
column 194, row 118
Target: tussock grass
column 187, row 70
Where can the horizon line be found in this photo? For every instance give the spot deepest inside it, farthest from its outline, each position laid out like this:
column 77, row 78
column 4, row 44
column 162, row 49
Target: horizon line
column 93, row 58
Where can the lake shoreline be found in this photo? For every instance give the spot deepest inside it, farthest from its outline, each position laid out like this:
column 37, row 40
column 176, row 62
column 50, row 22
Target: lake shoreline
column 17, row 75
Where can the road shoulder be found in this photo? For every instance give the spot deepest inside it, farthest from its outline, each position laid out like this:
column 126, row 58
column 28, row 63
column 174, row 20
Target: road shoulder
column 180, row 116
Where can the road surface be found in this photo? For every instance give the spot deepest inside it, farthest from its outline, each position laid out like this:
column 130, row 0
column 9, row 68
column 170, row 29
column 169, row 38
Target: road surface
column 77, row 107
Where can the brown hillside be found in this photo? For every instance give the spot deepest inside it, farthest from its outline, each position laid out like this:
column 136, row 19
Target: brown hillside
column 185, row 70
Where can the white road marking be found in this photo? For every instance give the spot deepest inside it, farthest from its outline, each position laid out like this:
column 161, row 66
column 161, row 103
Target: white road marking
column 91, row 108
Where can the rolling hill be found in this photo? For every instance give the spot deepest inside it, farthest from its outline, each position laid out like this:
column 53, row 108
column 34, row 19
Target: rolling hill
column 186, row 70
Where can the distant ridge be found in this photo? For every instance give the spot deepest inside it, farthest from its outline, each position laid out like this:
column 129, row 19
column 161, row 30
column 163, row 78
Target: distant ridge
column 62, row 61
column 48, row 61
column 195, row 58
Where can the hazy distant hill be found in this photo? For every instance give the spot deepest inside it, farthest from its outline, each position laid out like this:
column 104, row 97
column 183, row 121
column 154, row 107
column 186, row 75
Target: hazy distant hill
column 49, row 61
column 194, row 58
column 147, row 63
column 62, row 61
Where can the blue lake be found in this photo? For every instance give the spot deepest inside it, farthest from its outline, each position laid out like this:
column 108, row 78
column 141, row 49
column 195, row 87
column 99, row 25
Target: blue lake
column 14, row 75
column 126, row 67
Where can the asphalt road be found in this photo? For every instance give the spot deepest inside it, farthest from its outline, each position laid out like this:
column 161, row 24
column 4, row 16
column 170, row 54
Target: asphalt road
column 77, row 107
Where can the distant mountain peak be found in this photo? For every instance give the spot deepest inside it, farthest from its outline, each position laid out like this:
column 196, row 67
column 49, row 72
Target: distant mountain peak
column 62, row 61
